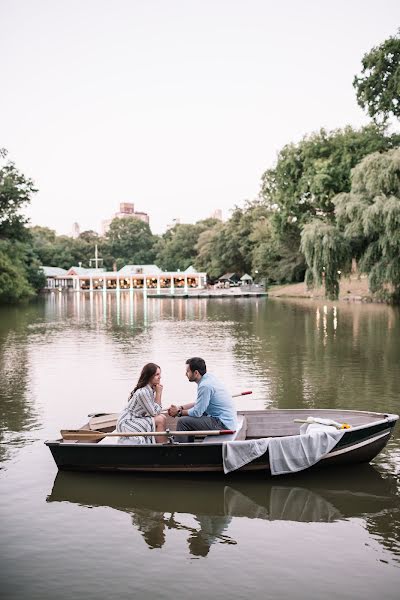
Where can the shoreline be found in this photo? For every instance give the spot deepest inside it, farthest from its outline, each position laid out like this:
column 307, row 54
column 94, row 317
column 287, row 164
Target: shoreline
column 352, row 289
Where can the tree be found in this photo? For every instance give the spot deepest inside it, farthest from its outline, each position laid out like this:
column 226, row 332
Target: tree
column 378, row 87
column 14, row 285
column 15, row 191
column 207, row 259
column 44, row 242
column 327, row 252
column 309, row 174
column 20, row 272
column 89, row 236
column 130, row 241
column 302, row 185
column 276, row 259
column 369, row 216
column 177, row 247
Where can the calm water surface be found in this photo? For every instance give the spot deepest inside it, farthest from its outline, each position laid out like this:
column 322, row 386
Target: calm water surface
column 67, row 535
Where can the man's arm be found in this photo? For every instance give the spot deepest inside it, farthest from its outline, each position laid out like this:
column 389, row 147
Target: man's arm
column 202, row 402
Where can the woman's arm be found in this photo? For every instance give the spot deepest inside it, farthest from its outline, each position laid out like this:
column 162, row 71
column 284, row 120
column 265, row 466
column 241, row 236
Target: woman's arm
column 150, row 406
column 159, row 390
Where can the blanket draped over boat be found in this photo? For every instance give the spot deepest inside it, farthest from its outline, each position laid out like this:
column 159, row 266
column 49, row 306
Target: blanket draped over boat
column 286, row 454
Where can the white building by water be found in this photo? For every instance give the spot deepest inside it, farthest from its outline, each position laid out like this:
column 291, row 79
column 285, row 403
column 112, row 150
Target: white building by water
column 131, row 277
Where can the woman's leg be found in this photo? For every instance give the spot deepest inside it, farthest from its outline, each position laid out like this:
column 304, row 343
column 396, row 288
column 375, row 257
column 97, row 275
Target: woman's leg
column 160, row 421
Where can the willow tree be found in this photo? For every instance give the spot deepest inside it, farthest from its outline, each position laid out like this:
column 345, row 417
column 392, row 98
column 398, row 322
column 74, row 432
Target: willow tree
column 369, row 217
column 327, row 253
column 305, row 179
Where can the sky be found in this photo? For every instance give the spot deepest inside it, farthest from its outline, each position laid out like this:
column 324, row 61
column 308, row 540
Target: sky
column 177, row 106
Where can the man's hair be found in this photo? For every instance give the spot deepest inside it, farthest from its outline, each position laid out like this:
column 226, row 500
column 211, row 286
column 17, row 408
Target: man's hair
column 197, row 364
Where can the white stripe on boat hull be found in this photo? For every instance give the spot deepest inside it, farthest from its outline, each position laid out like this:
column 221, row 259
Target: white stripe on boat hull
column 356, row 446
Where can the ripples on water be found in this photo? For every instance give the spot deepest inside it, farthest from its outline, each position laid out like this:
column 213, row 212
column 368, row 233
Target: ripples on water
column 67, row 356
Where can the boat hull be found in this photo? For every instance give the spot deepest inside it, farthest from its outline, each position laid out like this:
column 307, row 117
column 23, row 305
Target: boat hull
column 358, row 445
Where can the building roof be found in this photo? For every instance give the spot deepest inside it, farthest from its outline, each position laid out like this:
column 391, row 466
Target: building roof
column 246, row 277
column 83, row 271
column 228, row 276
column 139, row 269
column 53, row 271
column 190, row 270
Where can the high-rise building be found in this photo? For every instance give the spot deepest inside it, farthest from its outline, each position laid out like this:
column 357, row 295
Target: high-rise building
column 216, row 214
column 126, row 210
column 76, row 230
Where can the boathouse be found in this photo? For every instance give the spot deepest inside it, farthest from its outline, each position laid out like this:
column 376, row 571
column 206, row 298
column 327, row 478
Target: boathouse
column 56, row 277
column 130, row 277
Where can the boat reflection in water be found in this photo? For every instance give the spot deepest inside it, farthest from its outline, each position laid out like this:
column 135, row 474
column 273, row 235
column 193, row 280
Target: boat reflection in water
column 158, row 505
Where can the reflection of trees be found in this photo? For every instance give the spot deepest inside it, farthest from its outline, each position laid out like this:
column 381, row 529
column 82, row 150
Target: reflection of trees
column 314, row 356
column 385, row 527
column 17, row 413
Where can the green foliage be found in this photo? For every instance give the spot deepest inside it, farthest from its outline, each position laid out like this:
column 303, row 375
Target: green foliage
column 89, row 236
column 276, row 258
column 44, row 245
column 177, row 247
column 230, row 247
column 237, row 244
column 20, row 273
column 130, row 241
column 370, row 216
column 15, row 192
column 327, row 252
column 378, row 87
column 309, row 174
column 14, row 284
column 301, row 187
column 57, row 251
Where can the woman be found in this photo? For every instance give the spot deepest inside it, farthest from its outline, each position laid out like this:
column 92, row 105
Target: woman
column 144, row 408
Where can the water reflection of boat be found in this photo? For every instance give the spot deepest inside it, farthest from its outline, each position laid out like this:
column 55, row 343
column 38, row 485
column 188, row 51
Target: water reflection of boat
column 155, row 509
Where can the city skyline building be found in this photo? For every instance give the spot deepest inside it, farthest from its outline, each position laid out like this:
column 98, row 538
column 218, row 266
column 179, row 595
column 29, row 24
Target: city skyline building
column 126, row 210
column 216, row 214
column 76, row 230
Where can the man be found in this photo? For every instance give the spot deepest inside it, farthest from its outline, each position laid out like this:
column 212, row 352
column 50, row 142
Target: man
column 213, row 409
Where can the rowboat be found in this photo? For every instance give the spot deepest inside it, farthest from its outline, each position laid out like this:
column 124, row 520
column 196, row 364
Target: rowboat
column 94, row 447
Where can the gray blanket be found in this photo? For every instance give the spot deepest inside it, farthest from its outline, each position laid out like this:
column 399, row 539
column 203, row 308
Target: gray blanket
column 286, row 454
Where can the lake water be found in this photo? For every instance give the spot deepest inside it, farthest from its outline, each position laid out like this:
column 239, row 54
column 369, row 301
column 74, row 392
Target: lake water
column 317, row 535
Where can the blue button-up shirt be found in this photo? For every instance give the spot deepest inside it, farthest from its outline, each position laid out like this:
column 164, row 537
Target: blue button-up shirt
column 214, row 400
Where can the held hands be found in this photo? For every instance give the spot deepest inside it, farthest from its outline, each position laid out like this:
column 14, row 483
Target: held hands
column 173, row 410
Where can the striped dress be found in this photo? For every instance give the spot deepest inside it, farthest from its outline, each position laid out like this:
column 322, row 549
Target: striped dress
column 139, row 416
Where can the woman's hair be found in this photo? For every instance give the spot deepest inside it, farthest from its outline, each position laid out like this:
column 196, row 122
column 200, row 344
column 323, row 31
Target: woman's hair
column 147, row 373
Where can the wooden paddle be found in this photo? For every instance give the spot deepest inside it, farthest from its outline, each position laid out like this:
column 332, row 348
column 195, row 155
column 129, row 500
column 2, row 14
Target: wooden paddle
column 88, row 434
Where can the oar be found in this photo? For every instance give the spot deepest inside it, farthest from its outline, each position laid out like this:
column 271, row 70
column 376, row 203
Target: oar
column 242, row 394
column 80, row 434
